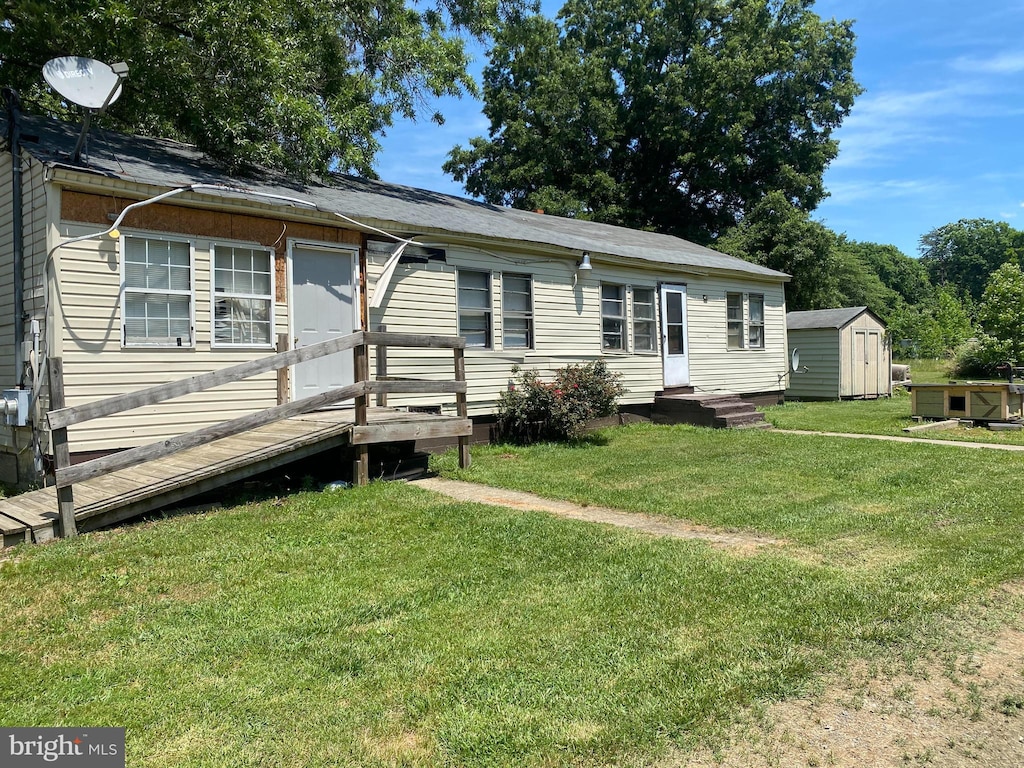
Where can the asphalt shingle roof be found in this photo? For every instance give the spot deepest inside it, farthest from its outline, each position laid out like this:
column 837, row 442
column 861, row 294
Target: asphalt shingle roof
column 823, row 318
column 169, row 164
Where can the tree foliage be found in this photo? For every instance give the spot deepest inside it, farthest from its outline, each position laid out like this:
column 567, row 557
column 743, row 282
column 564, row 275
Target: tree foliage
column 931, row 330
column 303, row 85
column 676, row 116
column 777, row 235
column 906, row 278
column 965, row 253
column 1001, row 313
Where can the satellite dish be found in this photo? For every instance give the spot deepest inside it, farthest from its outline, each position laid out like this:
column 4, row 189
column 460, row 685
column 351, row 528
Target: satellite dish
column 86, row 82
column 794, row 360
column 90, row 84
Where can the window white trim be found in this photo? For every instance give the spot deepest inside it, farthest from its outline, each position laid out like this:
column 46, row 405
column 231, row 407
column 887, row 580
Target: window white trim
column 651, row 322
column 486, row 312
column 216, row 295
column 745, row 325
column 529, row 314
column 165, row 342
column 752, row 324
column 735, row 323
column 608, row 319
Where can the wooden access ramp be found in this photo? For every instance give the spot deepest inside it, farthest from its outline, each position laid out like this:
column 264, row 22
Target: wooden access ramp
column 143, row 478
column 167, row 481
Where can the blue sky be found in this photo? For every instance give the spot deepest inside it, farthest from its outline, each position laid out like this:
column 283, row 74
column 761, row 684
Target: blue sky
column 937, row 135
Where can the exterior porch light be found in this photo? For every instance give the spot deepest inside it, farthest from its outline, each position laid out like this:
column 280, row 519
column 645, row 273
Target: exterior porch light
column 584, row 263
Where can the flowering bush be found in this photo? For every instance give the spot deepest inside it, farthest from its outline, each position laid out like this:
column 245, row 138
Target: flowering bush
column 532, row 410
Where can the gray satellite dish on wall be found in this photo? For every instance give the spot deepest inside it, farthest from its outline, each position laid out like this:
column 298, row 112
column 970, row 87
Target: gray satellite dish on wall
column 90, row 84
column 794, row 362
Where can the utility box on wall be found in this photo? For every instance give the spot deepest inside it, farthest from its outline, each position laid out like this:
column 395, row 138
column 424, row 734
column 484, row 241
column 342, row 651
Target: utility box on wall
column 15, row 407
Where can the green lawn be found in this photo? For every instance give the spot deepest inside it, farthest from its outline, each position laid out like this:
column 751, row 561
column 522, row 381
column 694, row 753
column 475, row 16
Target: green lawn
column 927, row 370
column 387, row 626
column 885, row 416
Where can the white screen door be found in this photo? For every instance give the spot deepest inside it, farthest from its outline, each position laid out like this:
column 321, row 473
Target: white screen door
column 323, row 307
column 674, row 344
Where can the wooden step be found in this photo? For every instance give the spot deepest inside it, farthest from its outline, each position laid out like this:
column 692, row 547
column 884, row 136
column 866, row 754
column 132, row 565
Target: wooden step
column 718, row 411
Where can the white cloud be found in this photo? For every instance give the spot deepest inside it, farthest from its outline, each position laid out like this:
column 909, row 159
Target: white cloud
column 847, row 192
column 1001, row 64
column 896, row 122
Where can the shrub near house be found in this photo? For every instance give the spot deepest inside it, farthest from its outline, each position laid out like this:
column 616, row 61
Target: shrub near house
column 532, row 410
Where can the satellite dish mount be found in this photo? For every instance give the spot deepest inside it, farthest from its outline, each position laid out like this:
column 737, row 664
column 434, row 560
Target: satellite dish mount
column 90, row 84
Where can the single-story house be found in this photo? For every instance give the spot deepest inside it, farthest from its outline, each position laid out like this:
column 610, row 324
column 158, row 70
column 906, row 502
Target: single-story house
column 205, row 270
column 843, row 353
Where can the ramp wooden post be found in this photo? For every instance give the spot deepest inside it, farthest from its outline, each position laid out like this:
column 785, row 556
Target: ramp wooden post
column 382, row 368
column 463, row 408
column 361, row 366
column 61, row 452
column 282, row 373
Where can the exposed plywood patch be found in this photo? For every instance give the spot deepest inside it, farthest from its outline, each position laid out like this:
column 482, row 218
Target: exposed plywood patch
column 196, row 222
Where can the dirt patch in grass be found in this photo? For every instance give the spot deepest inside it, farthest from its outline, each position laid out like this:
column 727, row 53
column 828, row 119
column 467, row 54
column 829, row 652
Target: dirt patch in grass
column 403, row 748
column 739, row 543
column 965, row 709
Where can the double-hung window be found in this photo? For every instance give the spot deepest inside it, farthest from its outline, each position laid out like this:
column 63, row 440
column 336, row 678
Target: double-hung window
column 644, row 327
column 755, row 321
column 744, row 320
column 613, row 317
column 243, row 296
column 734, row 320
column 516, row 311
column 474, row 289
column 156, row 306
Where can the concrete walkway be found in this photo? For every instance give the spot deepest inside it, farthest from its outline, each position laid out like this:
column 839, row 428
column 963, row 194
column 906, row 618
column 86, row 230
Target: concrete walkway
column 637, row 521
column 900, row 439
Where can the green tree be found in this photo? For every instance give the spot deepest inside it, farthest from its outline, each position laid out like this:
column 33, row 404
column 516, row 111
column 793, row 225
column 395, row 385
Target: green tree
column 304, row 85
column 1001, row 313
column 675, row 116
column 964, row 254
column 858, row 285
column 933, row 330
column 907, row 277
column 953, row 321
column 778, row 235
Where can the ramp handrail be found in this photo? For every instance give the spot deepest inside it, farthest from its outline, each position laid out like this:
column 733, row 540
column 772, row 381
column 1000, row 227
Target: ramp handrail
column 61, row 417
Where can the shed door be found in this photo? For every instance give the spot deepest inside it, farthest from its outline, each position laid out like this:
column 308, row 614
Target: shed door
column 867, row 363
column 674, row 343
column 323, row 307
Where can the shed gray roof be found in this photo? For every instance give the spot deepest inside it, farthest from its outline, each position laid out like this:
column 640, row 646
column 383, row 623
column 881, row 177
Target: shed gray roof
column 169, row 164
column 824, row 318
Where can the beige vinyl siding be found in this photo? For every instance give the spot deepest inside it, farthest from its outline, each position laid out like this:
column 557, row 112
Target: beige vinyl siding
column 96, row 366
column 713, row 366
column 567, row 327
column 34, row 200
column 8, row 377
column 566, row 319
column 819, row 352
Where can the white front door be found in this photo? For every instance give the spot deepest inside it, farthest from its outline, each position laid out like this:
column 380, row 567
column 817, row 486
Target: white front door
column 674, row 344
column 323, row 304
